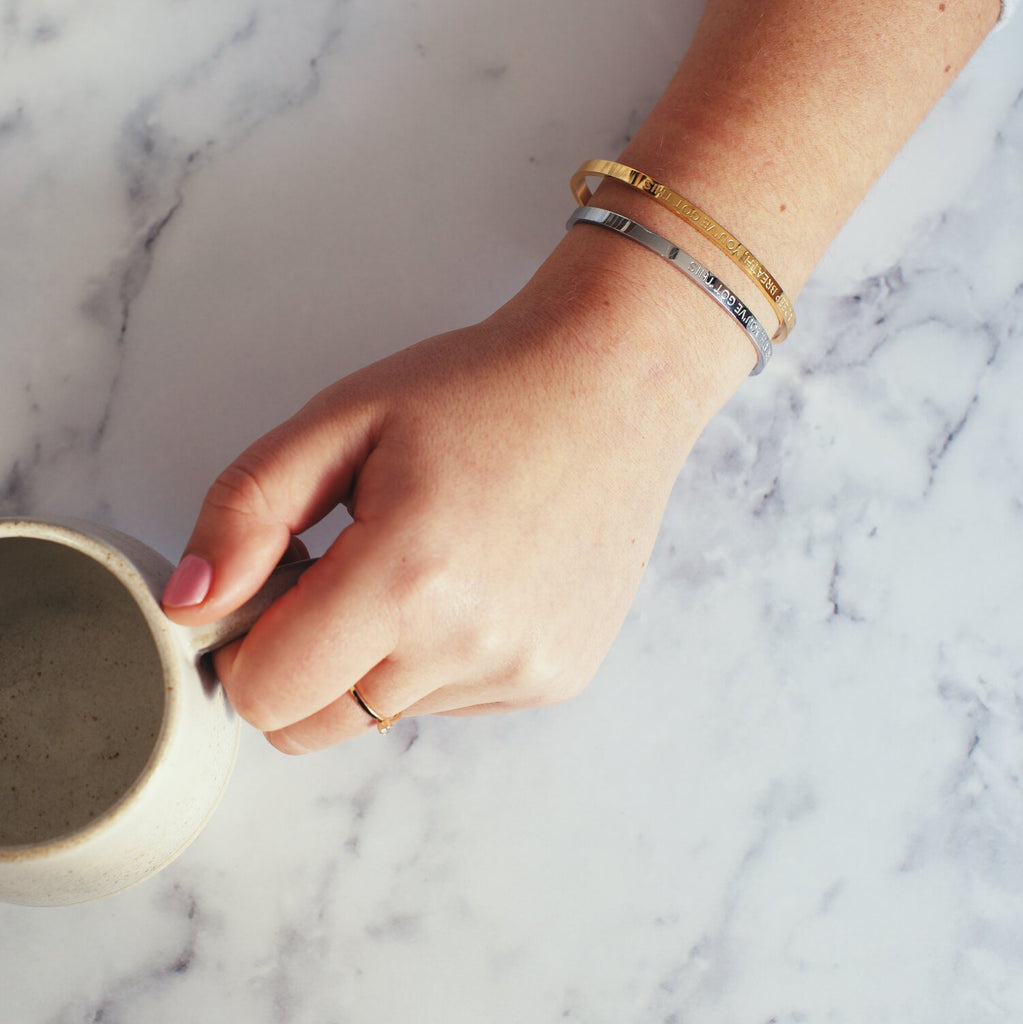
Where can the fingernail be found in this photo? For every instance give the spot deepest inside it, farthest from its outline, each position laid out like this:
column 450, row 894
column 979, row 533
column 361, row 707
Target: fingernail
column 189, row 584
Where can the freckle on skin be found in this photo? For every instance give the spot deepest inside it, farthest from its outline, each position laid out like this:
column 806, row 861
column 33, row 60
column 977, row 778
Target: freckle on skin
column 782, row 207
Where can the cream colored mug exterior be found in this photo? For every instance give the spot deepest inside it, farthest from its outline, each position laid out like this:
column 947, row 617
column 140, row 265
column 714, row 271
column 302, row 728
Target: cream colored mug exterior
column 193, row 755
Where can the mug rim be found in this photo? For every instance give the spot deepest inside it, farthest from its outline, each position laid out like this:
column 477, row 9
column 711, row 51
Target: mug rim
column 79, row 536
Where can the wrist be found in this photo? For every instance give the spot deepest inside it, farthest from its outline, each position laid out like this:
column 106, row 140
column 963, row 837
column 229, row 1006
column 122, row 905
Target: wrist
column 630, row 310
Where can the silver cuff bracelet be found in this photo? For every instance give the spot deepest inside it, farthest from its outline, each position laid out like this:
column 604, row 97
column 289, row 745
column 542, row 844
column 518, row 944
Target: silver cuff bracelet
column 693, row 269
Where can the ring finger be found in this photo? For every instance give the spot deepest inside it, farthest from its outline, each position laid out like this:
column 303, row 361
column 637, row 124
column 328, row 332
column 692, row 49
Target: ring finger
column 384, row 694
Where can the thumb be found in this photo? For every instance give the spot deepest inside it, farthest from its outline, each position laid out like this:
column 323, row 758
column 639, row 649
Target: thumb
column 281, row 485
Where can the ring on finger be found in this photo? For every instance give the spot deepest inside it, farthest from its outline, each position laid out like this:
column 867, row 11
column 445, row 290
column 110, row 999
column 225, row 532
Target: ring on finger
column 383, row 723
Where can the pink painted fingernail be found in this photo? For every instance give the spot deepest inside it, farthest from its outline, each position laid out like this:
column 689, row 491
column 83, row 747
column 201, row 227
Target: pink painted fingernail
column 190, row 583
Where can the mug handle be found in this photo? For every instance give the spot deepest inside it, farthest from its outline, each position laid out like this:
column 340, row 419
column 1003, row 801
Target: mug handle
column 203, row 639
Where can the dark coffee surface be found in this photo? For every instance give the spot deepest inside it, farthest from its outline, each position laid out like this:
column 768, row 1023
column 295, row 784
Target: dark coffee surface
column 81, row 690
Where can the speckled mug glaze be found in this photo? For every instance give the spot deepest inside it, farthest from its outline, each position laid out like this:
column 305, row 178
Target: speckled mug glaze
column 178, row 736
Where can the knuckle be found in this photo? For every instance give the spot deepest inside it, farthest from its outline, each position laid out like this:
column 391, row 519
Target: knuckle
column 544, row 673
column 490, row 639
column 537, row 678
column 238, row 490
column 424, row 587
column 520, row 661
column 480, row 634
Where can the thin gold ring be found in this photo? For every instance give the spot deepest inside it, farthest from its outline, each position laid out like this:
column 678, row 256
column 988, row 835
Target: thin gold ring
column 383, row 724
column 705, row 224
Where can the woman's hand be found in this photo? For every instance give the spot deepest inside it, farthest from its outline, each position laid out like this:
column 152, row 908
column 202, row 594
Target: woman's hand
column 506, row 483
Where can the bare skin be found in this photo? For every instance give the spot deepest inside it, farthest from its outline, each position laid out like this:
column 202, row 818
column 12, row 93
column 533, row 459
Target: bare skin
column 507, row 480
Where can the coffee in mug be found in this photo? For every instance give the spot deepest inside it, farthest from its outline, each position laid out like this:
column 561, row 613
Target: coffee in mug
column 81, row 690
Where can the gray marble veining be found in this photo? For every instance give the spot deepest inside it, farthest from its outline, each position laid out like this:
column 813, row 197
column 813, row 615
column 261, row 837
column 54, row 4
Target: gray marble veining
column 822, row 820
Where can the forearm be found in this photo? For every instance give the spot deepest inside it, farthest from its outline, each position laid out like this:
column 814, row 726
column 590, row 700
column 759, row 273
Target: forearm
column 783, row 114
column 779, row 120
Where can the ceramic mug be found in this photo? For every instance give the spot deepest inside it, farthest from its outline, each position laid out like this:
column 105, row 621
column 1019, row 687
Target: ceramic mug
column 116, row 741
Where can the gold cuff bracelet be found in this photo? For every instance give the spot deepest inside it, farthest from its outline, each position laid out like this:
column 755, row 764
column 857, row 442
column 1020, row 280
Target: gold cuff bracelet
column 706, row 225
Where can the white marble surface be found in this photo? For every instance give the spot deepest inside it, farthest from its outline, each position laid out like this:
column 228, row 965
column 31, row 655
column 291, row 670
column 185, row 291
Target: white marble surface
column 207, row 211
